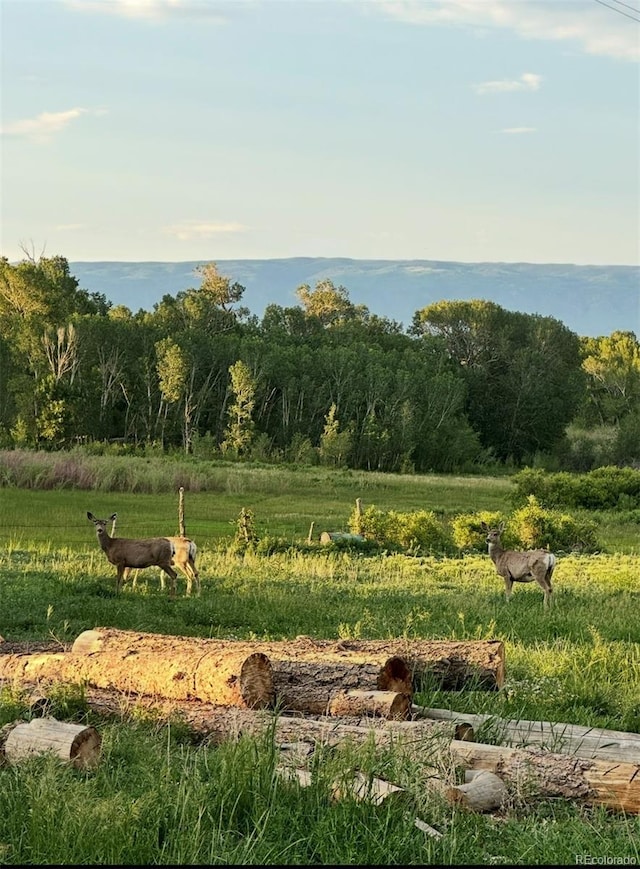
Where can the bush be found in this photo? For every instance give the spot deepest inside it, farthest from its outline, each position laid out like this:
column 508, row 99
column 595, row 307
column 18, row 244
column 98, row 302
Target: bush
column 601, row 489
column 532, row 527
column 416, row 533
column 466, row 528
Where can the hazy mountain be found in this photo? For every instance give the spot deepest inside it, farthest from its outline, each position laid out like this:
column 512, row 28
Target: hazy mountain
column 589, row 300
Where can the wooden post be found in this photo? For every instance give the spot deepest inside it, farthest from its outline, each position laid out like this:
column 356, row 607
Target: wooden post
column 310, row 534
column 181, row 524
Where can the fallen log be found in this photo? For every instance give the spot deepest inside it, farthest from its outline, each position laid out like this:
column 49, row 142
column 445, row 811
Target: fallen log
column 331, row 536
column 74, row 743
column 384, row 665
column 449, row 665
column 227, row 676
column 386, row 704
column 306, row 673
column 615, row 785
column 591, row 742
column 217, row 724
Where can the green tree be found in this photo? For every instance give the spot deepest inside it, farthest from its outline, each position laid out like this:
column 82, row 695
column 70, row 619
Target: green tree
column 239, row 433
column 328, row 304
column 523, row 373
column 335, row 445
column 612, row 368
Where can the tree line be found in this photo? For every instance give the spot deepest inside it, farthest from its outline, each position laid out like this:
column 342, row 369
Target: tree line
column 467, row 385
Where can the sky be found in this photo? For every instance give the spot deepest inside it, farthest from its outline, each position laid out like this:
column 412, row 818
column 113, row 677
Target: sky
column 463, row 130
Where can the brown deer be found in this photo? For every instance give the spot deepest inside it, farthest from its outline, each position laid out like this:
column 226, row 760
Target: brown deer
column 535, row 564
column 125, row 553
column 184, row 558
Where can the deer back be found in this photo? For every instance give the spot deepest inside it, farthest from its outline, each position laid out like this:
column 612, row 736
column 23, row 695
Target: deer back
column 140, row 553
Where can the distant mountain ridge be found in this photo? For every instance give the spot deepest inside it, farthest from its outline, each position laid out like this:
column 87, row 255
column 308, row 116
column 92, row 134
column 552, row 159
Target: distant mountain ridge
column 589, row 300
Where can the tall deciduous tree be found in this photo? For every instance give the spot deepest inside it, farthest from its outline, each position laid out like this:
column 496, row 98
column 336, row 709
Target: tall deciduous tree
column 239, row 433
column 612, row 366
column 523, row 373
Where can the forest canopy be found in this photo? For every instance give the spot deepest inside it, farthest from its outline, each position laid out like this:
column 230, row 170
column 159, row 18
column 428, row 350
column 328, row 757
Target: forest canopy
column 468, row 385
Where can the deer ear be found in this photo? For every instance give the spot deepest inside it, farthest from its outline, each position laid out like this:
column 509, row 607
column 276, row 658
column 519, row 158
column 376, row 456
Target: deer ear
column 484, row 526
column 501, row 527
column 113, row 516
column 90, row 516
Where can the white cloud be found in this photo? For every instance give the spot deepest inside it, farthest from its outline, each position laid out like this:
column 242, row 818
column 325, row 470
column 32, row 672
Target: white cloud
column 528, row 81
column 44, row 126
column 153, row 10
column 593, row 27
column 519, row 130
column 189, row 229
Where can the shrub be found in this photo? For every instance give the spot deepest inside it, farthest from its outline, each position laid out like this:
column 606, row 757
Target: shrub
column 601, row 489
column 532, row 526
column 417, row 532
column 466, row 528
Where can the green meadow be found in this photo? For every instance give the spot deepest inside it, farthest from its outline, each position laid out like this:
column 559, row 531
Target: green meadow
column 159, row 796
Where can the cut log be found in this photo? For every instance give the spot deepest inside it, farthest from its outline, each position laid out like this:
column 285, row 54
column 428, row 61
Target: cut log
column 74, row 743
column 483, row 791
column 386, row 704
column 306, row 674
column 593, row 742
column 220, row 723
column 449, row 665
column 230, row 676
column 547, row 774
column 331, row 536
column 393, row 665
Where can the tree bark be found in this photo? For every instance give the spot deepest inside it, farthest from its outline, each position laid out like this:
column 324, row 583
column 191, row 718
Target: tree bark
column 220, row 723
column 612, row 784
column 74, row 743
column 230, row 676
column 393, row 665
column 590, row 742
column 387, row 704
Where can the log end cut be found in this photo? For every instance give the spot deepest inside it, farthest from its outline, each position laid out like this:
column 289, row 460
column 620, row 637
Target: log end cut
column 256, row 682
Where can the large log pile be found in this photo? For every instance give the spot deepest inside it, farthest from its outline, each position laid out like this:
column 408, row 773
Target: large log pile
column 328, row 692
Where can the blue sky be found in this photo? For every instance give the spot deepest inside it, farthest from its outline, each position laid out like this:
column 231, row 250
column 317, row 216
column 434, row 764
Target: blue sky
column 468, row 130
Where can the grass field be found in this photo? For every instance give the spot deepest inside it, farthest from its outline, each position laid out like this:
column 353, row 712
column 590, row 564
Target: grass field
column 157, row 797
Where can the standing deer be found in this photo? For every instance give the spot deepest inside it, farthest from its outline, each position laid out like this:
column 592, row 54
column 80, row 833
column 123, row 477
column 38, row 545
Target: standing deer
column 512, row 566
column 184, row 558
column 126, row 553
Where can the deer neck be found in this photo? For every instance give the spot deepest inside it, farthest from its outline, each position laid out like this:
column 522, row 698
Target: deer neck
column 495, row 551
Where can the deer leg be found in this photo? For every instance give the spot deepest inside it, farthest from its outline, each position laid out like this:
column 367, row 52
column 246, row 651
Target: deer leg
column 545, row 584
column 173, row 577
column 508, row 587
column 126, row 573
column 192, row 576
column 121, row 571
